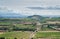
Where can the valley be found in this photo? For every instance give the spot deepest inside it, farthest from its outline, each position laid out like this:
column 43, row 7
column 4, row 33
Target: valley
column 32, row 27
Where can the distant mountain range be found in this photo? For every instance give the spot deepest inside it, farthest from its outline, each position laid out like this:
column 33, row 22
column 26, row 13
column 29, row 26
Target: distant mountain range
column 10, row 15
column 6, row 13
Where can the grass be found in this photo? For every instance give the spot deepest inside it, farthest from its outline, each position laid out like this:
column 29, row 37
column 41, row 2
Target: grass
column 47, row 29
column 25, row 26
column 18, row 35
column 5, row 23
column 52, row 35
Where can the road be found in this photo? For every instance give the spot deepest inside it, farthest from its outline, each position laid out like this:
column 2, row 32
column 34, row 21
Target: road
column 32, row 35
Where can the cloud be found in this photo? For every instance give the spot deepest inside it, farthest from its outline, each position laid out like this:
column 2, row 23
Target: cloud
column 45, row 8
column 20, row 6
column 29, row 2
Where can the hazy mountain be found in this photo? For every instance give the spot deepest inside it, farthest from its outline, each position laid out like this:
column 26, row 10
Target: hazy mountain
column 6, row 13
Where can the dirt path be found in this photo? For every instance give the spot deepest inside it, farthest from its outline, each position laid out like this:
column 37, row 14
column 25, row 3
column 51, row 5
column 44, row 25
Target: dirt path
column 32, row 34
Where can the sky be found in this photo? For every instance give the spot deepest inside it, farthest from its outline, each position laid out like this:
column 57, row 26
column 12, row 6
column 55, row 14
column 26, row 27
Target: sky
column 20, row 6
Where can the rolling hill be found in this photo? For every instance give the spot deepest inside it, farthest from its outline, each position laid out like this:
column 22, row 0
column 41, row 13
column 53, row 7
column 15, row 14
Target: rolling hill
column 36, row 17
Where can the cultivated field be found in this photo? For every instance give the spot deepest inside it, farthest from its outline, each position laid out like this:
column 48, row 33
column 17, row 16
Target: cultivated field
column 26, row 29
column 47, row 35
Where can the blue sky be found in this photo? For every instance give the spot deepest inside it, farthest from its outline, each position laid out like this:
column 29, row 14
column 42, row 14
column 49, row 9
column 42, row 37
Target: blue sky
column 20, row 6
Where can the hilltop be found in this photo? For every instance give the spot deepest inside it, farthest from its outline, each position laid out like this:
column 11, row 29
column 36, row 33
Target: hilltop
column 36, row 17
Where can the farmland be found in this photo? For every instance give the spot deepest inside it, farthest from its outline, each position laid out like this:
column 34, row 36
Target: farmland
column 26, row 35
column 29, row 28
column 47, row 35
column 16, row 24
column 18, row 35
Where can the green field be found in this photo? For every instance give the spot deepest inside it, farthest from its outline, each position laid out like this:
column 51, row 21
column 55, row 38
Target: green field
column 18, row 35
column 8, row 24
column 25, row 35
column 26, row 27
column 52, row 35
column 47, row 29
